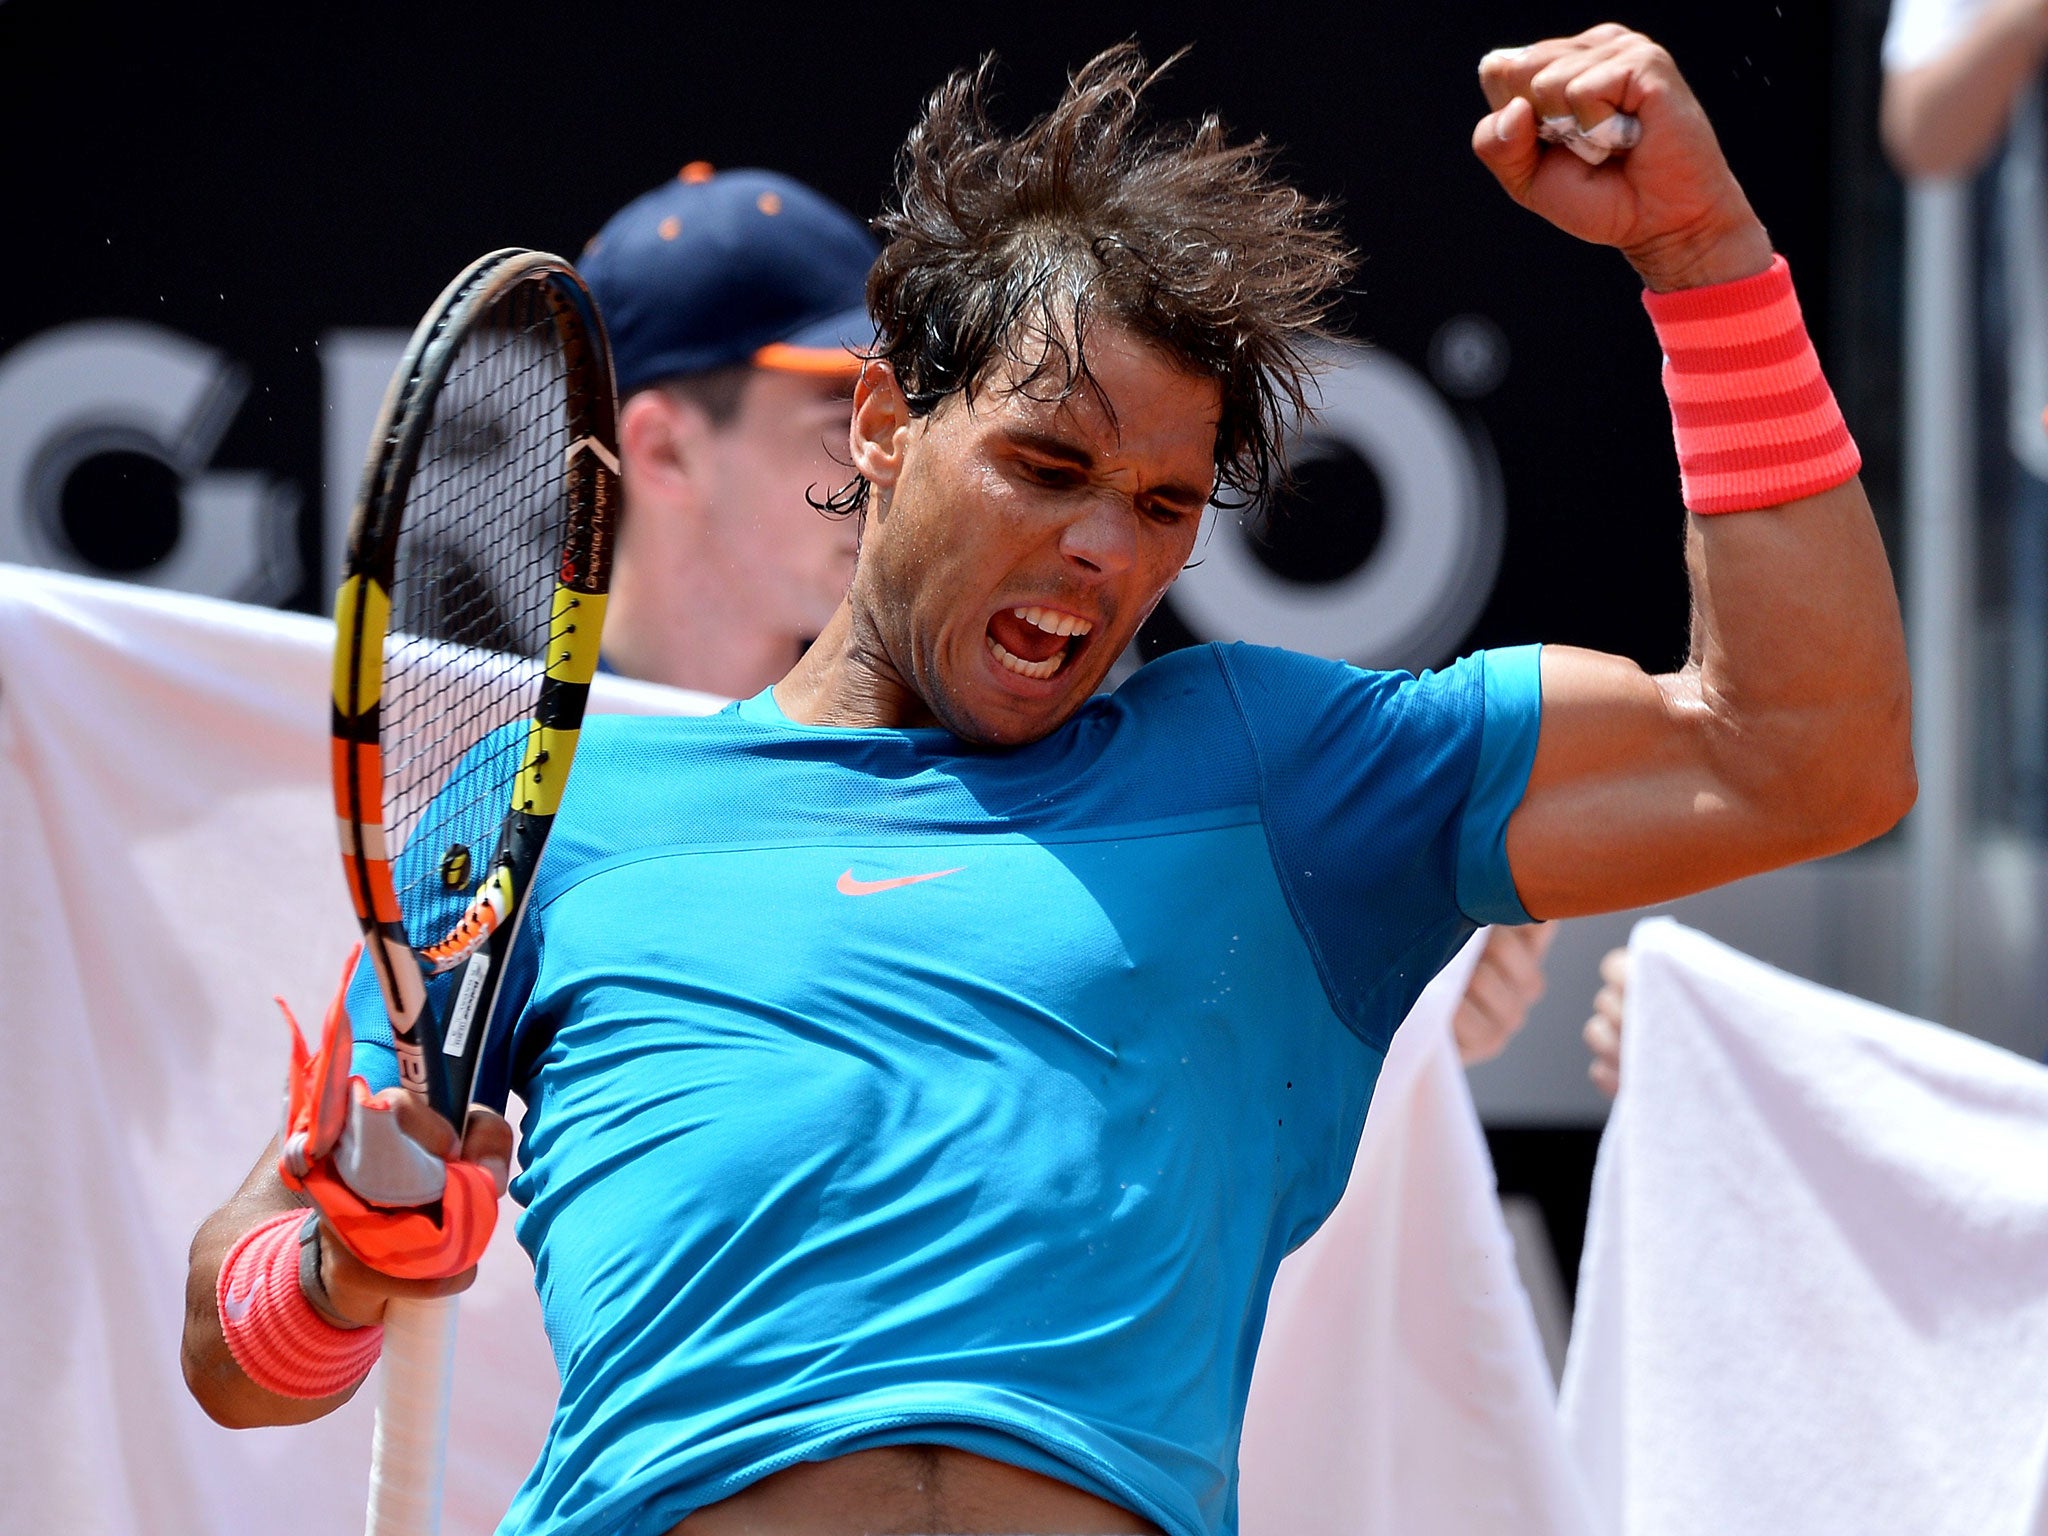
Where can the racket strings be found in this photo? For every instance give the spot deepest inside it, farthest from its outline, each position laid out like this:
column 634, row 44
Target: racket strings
column 472, row 599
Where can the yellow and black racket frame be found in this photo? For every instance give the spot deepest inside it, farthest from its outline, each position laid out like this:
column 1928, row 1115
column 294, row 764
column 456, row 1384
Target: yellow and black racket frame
column 438, row 1055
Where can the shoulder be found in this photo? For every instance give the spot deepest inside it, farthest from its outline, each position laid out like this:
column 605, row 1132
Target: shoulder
column 1265, row 693
column 1233, row 669
column 624, row 761
column 618, row 738
column 1285, row 690
column 1299, row 707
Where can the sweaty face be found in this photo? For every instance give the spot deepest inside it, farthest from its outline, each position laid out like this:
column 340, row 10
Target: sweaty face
column 1019, row 543
column 777, row 447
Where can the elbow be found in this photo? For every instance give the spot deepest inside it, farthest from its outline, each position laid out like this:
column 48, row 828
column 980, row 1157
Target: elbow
column 232, row 1401
column 1815, row 782
column 1893, row 780
column 1886, row 794
column 1856, row 785
column 209, row 1391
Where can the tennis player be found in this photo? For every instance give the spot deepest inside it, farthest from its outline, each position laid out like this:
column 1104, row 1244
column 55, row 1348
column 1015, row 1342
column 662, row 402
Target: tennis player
column 736, row 306
column 929, row 1060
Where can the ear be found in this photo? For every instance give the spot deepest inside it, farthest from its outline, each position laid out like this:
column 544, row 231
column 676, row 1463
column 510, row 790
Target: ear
column 662, row 443
column 880, row 431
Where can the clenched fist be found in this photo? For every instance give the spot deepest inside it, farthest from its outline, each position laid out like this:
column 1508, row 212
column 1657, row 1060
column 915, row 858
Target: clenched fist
column 1670, row 205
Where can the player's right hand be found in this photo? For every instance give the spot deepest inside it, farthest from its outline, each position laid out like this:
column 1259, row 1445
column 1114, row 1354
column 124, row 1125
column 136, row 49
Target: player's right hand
column 350, row 1292
column 1671, row 205
column 381, row 1167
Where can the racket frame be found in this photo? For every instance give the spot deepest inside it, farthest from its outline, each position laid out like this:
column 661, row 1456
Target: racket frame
column 438, row 1056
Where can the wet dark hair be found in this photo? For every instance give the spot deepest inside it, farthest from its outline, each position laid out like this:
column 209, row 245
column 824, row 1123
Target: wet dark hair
column 1008, row 249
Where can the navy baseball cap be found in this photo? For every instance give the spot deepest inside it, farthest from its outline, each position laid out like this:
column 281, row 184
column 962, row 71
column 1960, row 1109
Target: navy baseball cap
column 722, row 267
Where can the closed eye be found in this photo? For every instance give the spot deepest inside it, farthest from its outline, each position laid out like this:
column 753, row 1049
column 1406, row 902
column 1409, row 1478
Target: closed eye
column 1053, row 476
column 1168, row 512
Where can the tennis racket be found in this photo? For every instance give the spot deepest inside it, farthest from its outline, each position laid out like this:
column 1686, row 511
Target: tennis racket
column 467, row 628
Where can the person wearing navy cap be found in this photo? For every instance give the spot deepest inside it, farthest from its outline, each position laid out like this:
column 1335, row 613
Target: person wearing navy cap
column 735, row 302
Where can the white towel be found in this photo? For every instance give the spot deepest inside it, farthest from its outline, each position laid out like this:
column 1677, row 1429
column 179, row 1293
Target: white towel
column 170, row 863
column 1814, row 1295
column 1401, row 1385
column 167, row 841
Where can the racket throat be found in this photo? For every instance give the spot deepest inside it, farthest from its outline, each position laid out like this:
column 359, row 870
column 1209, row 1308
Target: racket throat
column 486, row 913
column 415, row 1031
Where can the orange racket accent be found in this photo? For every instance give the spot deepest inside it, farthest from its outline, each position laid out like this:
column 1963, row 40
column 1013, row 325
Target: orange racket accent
column 383, row 897
column 337, row 774
column 369, row 771
column 485, row 913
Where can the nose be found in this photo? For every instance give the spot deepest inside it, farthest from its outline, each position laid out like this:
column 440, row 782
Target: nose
column 1103, row 536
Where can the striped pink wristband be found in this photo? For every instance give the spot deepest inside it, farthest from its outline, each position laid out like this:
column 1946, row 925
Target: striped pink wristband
column 276, row 1337
column 1754, row 419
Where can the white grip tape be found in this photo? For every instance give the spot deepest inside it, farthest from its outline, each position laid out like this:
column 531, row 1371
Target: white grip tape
column 1616, row 133
column 411, row 1439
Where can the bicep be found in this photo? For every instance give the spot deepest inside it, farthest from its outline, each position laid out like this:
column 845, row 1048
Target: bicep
column 1625, row 805
column 1783, row 738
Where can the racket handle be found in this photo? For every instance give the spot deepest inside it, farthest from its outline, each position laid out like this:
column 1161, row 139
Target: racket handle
column 411, row 1440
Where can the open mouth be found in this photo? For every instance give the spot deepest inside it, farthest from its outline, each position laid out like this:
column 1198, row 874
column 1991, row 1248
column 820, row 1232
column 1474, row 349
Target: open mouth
column 1036, row 642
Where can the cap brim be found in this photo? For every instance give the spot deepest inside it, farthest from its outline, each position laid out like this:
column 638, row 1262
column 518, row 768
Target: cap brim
column 832, row 346
column 781, row 357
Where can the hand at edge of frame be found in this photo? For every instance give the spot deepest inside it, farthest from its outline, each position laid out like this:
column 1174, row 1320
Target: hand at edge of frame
column 1671, row 204
column 1602, row 1032
column 1505, row 984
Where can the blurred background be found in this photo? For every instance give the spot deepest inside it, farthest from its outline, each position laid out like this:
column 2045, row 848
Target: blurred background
column 227, row 220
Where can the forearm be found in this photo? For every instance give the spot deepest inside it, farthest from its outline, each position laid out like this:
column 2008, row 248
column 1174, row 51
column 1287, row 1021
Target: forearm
column 1796, row 687
column 212, row 1375
column 1797, row 693
column 1785, row 736
column 1943, row 117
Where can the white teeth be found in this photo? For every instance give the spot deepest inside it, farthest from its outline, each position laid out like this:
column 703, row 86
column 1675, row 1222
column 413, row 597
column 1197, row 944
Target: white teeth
column 1038, row 669
column 1053, row 623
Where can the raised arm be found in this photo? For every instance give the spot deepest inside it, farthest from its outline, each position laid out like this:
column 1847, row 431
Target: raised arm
column 1787, row 733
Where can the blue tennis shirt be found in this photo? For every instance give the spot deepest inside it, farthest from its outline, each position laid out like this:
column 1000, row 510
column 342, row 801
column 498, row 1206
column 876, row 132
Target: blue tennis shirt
column 884, row 1089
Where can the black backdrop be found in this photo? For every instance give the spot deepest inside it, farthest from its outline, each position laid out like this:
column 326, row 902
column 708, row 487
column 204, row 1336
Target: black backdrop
column 253, row 178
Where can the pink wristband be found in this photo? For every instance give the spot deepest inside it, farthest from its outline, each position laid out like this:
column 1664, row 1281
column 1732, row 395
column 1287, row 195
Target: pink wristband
column 1754, row 419
column 276, row 1337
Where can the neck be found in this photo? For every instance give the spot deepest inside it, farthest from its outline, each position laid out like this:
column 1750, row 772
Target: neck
column 677, row 615
column 847, row 679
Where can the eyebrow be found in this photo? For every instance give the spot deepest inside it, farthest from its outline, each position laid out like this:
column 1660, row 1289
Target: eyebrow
column 1046, row 445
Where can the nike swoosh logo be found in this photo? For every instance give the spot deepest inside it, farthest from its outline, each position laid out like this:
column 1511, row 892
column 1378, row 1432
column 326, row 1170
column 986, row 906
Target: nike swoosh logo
column 848, row 886
column 236, row 1308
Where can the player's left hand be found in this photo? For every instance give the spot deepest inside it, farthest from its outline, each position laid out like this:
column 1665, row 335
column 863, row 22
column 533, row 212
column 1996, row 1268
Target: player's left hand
column 1670, row 205
column 1504, row 986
